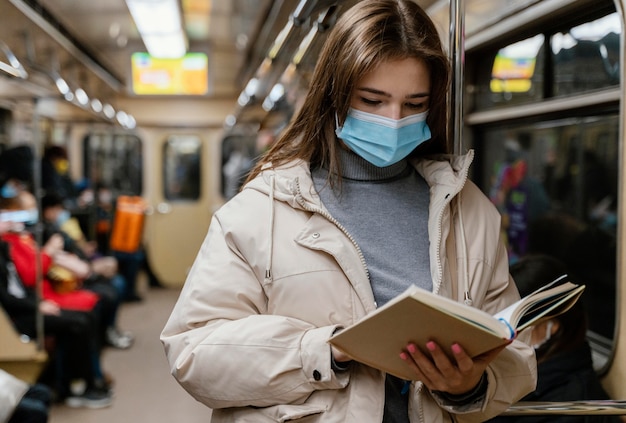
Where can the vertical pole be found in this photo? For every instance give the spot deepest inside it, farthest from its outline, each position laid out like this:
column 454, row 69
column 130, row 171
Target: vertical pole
column 457, row 55
column 37, row 191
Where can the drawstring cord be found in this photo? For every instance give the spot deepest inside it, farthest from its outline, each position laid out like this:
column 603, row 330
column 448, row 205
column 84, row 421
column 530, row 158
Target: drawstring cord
column 270, row 237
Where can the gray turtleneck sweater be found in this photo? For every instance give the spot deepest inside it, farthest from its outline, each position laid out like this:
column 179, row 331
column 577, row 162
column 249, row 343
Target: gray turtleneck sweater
column 386, row 212
column 385, row 209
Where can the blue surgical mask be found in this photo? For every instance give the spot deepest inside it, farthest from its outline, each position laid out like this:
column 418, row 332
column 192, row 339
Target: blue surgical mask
column 8, row 191
column 383, row 141
column 63, row 216
column 28, row 217
column 547, row 336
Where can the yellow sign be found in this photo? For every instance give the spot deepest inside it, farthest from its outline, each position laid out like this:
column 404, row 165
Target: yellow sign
column 188, row 75
column 511, row 74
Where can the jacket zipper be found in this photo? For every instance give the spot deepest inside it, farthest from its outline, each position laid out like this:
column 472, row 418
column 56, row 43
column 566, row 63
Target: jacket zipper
column 448, row 199
column 302, row 202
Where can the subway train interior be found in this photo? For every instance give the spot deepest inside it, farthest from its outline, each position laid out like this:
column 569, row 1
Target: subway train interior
column 167, row 129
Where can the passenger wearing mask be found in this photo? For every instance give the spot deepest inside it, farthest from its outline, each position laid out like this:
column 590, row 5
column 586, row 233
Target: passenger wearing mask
column 564, row 362
column 55, row 176
column 76, row 333
column 76, row 269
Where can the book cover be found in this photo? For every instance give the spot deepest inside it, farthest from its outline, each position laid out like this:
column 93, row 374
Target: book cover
column 420, row 316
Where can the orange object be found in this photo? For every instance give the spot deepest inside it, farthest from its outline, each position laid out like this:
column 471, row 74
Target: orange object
column 128, row 221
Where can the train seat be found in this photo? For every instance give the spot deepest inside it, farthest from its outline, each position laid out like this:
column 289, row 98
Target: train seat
column 19, row 355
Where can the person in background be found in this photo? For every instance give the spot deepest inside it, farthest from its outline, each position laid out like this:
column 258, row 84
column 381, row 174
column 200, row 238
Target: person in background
column 72, row 266
column 55, row 176
column 76, row 334
column 16, row 170
column 58, row 219
column 24, row 250
column 519, row 196
column 564, row 364
column 358, row 199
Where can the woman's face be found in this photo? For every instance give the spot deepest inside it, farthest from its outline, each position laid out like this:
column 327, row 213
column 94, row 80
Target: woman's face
column 394, row 89
column 542, row 332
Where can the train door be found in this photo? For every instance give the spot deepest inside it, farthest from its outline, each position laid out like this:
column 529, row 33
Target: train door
column 178, row 186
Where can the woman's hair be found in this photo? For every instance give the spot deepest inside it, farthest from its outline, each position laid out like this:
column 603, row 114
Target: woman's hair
column 368, row 34
column 531, row 273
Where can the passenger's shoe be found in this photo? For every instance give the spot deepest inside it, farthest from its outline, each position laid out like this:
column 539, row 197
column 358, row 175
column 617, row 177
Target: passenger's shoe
column 91, row 398
column 117, row 339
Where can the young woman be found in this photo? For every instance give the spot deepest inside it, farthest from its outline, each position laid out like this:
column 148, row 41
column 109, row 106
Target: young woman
column 343, row 213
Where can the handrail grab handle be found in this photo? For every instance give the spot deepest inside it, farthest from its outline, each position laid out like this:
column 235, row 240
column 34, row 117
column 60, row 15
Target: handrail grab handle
column 587, row 407
column 14, row 67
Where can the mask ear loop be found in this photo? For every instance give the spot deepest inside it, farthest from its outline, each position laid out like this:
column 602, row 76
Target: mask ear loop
column 338, row 129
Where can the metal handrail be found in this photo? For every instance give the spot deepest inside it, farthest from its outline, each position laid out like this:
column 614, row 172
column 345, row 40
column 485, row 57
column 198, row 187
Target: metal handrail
column 14, row 67
column 580, row 408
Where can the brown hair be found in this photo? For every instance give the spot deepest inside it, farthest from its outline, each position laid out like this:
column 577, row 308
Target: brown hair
column 368, row 34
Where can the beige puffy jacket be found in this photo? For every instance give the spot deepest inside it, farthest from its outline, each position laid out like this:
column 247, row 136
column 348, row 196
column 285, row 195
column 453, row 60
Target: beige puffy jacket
column 275, row 276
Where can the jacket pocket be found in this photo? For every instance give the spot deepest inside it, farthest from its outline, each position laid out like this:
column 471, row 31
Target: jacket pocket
column 296, row 413
column 285, row 413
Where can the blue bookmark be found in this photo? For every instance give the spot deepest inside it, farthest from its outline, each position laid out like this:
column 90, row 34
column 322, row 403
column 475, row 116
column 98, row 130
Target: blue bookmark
column 508, row 325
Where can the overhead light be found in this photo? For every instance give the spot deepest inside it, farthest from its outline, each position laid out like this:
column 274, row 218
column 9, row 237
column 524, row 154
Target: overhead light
column 96, row 105
column 165, row 46
column 81, row 97
column 248, row 93
column 130, row 122
column 121, row 117
column 62, row 85
column 160, row 25
column 275, row 95
column 108, row 111
column 230, row 120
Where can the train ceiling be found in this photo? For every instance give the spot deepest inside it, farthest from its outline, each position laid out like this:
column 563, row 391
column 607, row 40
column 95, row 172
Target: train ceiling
column 94, row 40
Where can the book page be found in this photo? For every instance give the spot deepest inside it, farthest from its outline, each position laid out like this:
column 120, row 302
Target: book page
column 541, row 304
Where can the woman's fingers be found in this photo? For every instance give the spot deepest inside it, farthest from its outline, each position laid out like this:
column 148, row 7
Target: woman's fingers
column 454, row 372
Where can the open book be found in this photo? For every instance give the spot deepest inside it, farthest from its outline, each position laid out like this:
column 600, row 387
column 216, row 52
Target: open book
column 419, row 316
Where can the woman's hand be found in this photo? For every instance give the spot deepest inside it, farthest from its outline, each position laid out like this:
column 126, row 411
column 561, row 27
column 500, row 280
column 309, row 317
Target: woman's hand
column 439, row 373
column 53, row 245
column 338, row 356
column 49, row 308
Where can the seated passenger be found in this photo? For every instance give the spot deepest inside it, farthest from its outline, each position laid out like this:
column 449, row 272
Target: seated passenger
column 23, row 250
column 75, row 333
column 100, row 274
column 564, row 364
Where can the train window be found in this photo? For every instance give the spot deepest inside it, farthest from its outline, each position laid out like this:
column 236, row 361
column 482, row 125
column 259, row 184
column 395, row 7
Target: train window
column 181, row 167
column 586, row 57
column 555, row 184
column 239, row 154
column 559, row 63
column 113, row 161
column 515, row 75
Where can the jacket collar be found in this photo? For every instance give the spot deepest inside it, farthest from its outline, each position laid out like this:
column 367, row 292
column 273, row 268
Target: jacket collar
column 447, row 172
column 289, row 180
